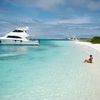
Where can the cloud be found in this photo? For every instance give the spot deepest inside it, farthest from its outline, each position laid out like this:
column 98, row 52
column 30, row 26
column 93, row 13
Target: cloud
column 94, row 5
column 3, row 12
column 54, row 4
column 44, row 4
column 85, row 3
column 79, row 20
column 49, row 4
column 57, row 29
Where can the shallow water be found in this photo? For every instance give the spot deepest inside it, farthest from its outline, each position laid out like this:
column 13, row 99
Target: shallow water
column 52, row 71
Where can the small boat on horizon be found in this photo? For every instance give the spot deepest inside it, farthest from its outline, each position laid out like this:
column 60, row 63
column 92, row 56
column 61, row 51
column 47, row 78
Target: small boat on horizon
column 73, row 38
column 18, row 37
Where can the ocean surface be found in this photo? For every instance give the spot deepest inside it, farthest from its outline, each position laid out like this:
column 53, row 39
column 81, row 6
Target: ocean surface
column 54, row 70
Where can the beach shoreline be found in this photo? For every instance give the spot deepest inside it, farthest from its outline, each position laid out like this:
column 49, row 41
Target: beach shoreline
column 93, row 46
column 93, row 49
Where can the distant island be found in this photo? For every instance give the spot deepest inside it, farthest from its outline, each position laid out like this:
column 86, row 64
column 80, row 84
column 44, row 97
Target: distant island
column 94, row 40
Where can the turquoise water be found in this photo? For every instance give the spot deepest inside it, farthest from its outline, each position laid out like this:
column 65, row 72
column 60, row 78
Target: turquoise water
column 52, row 71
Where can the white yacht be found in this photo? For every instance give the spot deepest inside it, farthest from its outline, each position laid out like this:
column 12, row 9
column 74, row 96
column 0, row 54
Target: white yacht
column 18, row 37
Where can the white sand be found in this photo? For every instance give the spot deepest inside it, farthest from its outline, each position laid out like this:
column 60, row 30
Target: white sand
column 94, row 68
column 94, row 46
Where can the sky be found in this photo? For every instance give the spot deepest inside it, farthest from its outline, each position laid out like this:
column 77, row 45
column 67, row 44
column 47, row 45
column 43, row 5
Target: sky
column 51, row 18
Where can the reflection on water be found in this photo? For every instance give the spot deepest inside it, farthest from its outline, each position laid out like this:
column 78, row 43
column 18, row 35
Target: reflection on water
column 13, row 50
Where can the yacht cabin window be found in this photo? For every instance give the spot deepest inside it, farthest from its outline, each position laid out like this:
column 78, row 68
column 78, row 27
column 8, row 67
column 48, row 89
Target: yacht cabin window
column 13, row 37
column 18, row 31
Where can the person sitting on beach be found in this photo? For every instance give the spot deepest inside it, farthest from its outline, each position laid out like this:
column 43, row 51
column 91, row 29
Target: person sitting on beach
column 89, row 60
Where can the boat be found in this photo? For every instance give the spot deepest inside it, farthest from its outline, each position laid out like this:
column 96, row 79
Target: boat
column 18, row 37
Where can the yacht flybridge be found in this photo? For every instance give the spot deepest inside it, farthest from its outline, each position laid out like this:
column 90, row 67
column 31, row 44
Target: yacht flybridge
column 18, row 37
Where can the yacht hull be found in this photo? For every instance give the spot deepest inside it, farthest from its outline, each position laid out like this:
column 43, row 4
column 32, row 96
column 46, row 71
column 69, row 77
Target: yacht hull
column 18, row 42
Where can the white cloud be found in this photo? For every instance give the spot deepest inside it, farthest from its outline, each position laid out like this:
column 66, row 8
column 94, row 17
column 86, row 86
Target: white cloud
column 80, row 20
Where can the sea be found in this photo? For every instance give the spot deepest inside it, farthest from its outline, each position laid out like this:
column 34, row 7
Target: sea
column 54, row 70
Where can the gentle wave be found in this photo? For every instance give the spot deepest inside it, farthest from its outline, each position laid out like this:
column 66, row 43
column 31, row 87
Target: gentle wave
column 7, row 55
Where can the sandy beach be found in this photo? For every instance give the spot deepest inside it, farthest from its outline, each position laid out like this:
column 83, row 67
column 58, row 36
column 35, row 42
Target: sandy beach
column 95, row 66
column 94, row 46
column 93, row 49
